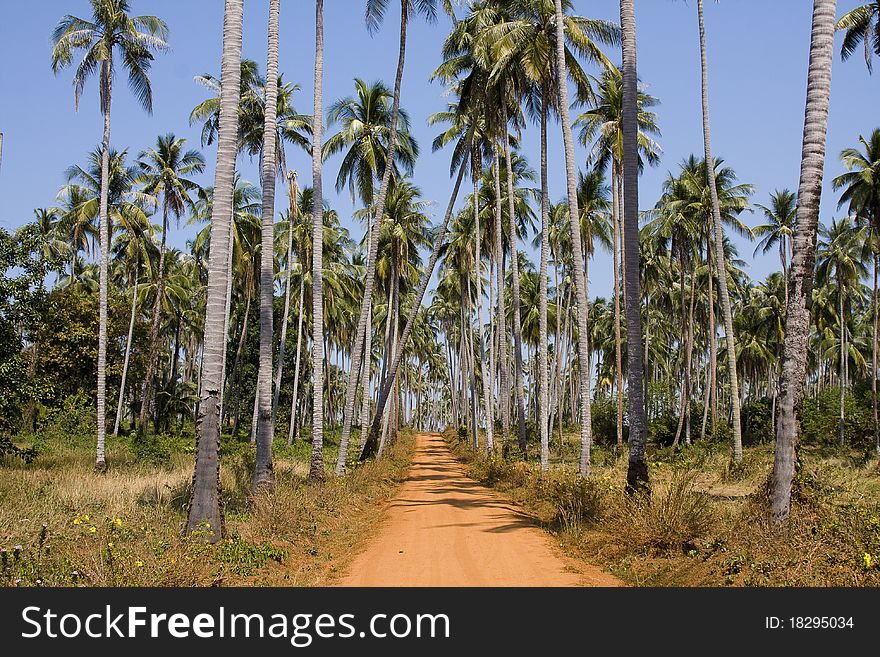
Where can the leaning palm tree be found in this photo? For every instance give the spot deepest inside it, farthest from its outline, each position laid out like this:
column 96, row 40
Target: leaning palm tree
column 861, row 192
column 861, row 26
column 375, row 13
column 205, row 509
column 718, row 230
column 134, row 38
column 263, row 476
column 797, row 321
column 637, row 472
column 163, row 172
column 364, row 138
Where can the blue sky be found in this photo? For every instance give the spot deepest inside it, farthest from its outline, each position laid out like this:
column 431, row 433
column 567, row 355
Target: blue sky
column 758, row 64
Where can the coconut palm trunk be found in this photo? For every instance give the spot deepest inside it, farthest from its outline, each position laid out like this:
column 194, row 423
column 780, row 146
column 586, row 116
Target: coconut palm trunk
column 874, row 345
column 618, row 343
column 501, row 309
column 372, row 439
column 206, row 510
column 720, row 256
column 797, row 321
column 106, row 96
column 842, row 376
column 476, row 173
column 316, row 466
column 154, row 328
column 637, row 471
column 282, row 343
column 580, row 278
column 514, row 274
column 131, row 321
column 263, row 475
column 296, row 367
column 543, row 373
column 361, row 338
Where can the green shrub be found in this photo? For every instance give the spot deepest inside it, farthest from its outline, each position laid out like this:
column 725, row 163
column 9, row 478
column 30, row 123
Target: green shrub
column 246, row 558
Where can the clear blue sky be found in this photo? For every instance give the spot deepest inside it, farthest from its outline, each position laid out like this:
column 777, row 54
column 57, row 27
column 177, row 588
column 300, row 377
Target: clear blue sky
column 758, row 64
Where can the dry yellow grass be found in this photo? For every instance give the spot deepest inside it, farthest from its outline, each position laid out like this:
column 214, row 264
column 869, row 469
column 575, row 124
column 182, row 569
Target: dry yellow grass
column 63, row 524
column 707, row 522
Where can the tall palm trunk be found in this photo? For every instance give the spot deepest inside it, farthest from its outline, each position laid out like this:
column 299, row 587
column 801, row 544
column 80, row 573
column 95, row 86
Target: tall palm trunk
column 720, row 256
column 206, row 508
column 709, row 392
column 371, row 444
column 476, row 172
column 543, row 373
column 263, row 475
column 154, row 328
column 361, row 336
column 282, row 343
column 580, row 278
column 106, row 97
column 365, row 378
column 131, row 322
column 637, row 472
column 227, row 318
column 618, row 343
column 797, row 322
column 501, row 310
column 316, row 466
column 514, row 274
column 842, row 379
column 874, row 359
column 296, row 367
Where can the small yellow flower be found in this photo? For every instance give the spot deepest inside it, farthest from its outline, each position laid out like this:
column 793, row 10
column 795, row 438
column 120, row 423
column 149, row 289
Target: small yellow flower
column 117, row 522
column 110, row 545
column 139, row 563
column 868, row 560
column 77, row 521
column 93, row 529
column 85, row 517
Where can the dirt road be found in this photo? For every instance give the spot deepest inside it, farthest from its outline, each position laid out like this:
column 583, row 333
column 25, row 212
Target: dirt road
column 444, row 529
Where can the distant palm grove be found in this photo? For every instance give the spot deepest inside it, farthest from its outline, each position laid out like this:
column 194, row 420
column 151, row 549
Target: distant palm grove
column 277, row 325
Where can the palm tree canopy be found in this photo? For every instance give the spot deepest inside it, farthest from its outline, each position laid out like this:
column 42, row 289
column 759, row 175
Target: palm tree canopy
column 365, row 131
column 111, row 28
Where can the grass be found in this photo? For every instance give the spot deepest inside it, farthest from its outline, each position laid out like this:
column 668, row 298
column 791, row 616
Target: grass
column 706, row 521
column 61, row 524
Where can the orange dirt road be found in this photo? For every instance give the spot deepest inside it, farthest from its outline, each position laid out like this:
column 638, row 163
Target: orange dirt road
column 444, row 529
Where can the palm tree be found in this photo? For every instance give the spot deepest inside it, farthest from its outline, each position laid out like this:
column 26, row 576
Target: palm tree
column 365, row 121
column 797, row 321
column 862, row 25
column 163, row 171
column 135, row 39
column 292, row 127
column 839, row 258
column 778, row 230
column 574, row 224
column 718, row 230
column 263, row 476
column 205, row 508
column 602, row 126
column 134, row 246
column 375, row 13
column 861, row 191
column 637, row 473
column 316, row 466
